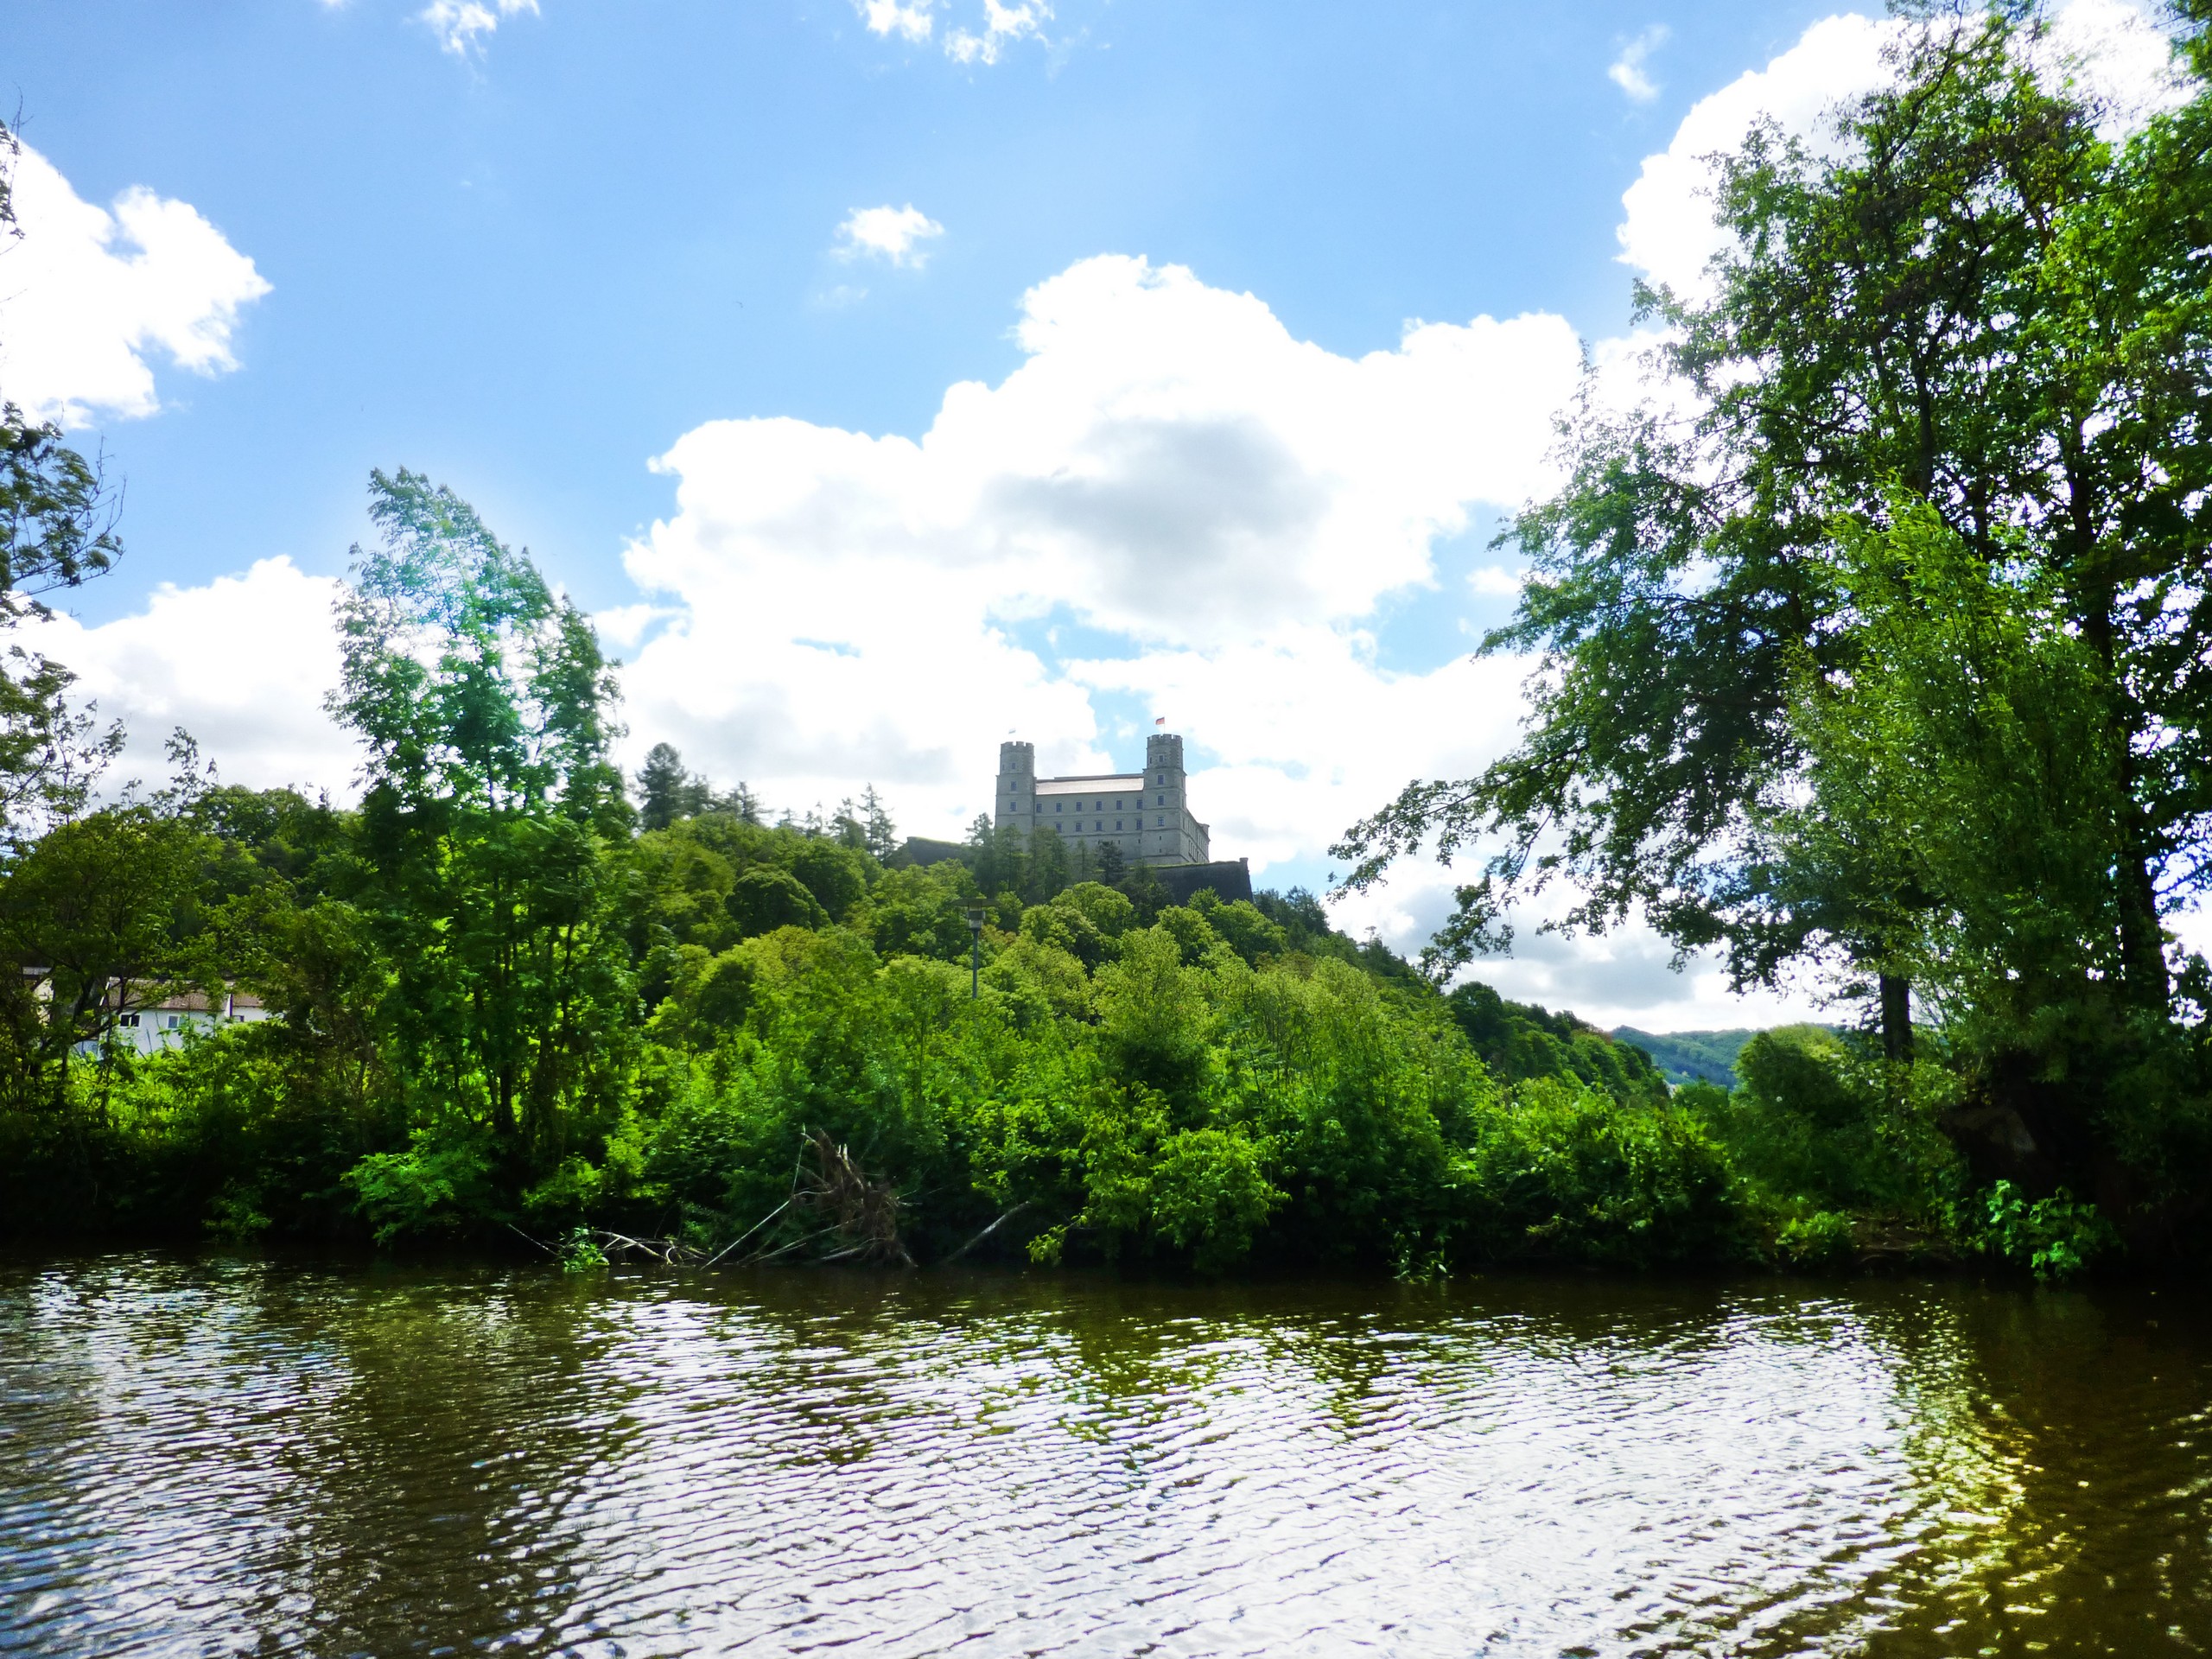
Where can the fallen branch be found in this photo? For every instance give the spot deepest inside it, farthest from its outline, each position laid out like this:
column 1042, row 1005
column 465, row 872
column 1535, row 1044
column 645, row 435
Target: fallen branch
column 987, row 1232
column 749, row 1231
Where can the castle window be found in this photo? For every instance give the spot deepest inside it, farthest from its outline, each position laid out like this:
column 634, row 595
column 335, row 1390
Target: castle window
column 1118, row 823
column 1059, row 806
column 1160, row 824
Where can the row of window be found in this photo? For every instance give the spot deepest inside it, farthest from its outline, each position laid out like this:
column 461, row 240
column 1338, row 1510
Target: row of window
column 1099, row 826
column 1014, row 805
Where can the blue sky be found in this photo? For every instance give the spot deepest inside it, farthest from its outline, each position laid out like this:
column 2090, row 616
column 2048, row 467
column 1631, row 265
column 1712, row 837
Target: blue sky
column 530, row 269
column 1207, row 465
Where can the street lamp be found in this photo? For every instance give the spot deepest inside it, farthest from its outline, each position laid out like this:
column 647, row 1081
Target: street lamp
column 975, row 949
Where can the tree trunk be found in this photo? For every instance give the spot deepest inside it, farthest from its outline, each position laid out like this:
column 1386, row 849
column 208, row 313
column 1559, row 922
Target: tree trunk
column 1896, row 1019
column 2142, row 946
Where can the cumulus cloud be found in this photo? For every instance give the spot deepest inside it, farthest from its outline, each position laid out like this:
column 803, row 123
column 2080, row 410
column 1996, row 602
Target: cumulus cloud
column 242, row 663
column 89, row 294
column 1666, row 230
column 1002, row 26
column 892, row 234
column 461, row 26
column 911, row 22
column 1217, row 504
column 1627, row 71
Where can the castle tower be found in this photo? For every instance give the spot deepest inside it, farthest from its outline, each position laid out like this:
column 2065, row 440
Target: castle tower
column 1173, row 836
column 1017, row 796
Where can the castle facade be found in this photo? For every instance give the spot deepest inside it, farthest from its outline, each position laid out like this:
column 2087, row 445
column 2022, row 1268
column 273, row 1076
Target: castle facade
column 1146, row 814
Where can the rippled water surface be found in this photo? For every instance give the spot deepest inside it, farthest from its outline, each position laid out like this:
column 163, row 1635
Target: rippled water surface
column 224, row 1456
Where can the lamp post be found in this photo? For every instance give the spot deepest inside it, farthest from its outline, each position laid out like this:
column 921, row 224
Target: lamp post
column 975, row 949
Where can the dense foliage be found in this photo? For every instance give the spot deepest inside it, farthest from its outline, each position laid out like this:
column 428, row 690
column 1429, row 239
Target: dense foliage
column 1890, row 659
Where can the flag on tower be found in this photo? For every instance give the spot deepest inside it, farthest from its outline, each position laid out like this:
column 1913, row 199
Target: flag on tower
column 1159, row 720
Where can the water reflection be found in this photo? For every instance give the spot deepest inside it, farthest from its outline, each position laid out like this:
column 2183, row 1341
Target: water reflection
column 231, row 1457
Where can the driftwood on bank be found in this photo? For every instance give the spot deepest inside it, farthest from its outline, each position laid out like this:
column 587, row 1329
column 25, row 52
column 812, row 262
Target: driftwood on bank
column 859, row 1217
column 854, row 1219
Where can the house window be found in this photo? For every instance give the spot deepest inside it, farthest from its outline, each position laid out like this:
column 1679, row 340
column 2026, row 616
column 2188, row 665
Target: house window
column 1118, row 823
column 1160, row 824
column 1059, row 806
column 129, row 1022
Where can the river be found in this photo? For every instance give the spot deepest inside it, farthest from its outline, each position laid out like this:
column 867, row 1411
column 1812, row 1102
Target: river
column 226, row 1455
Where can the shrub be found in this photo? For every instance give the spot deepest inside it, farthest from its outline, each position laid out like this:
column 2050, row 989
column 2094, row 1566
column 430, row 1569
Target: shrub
column 1573, row 1175
column 2055, row 1237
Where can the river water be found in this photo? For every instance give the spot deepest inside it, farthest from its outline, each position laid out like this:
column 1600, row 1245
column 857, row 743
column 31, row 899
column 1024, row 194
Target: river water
column 237, row 1456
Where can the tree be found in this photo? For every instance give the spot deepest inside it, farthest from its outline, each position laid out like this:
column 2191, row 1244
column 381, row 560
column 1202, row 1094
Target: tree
column 847, row 828
column 666, row 792
column 742, row 803
column 1980, row 312
column 878, row 834
column 482, row 699
column 58, row 515
column 92, row 929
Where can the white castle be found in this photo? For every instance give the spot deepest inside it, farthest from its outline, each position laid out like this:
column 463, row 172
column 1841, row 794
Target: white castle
column 1146, row 813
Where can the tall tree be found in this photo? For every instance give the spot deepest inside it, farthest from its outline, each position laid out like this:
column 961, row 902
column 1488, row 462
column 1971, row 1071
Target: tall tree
column 1972, row 310
column 666, row 792
column 482, row 699
column 879, row 835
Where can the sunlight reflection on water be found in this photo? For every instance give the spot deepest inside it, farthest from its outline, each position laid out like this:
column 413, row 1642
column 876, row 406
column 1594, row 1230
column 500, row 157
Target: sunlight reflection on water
column 231, row 1456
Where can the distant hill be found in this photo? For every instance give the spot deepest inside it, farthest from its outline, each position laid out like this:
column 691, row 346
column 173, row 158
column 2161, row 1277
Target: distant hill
column 1690, row 1055
column 1520, row 1041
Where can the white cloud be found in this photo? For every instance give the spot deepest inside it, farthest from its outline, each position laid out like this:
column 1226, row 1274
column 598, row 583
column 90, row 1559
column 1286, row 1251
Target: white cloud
column 1003, row 25
column 87, row 296
column 1169, row 467
column 1494, row 581
column 1668, row 231
column 242, row 663
column 1627, row 72
column 623, row 626
column 912, row 22
column 888, row 233
column 462, row 26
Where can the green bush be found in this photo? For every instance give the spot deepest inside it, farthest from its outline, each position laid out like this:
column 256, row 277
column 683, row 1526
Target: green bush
column 1573, row 1175
column 441, row 1184
column 2054, row 1238
column 1823, row 1239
